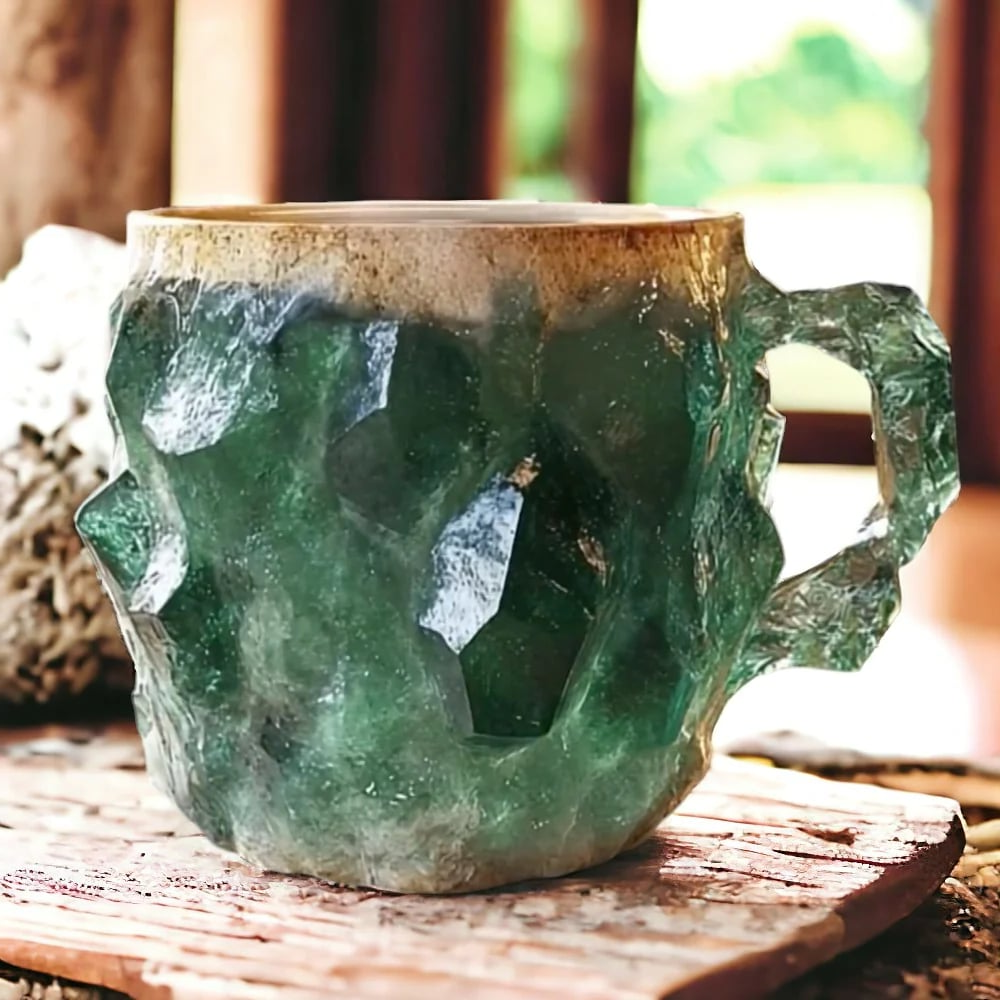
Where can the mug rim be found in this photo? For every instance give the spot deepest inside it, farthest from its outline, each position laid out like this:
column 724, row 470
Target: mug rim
column 481, row 214
column 396, row 258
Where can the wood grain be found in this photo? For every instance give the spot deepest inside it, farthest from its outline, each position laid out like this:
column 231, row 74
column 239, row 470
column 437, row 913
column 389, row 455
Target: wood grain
column 762, row 875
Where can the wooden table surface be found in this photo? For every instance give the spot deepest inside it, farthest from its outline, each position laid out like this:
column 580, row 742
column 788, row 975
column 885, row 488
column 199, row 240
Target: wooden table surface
column 760, row 875
column 933, row 686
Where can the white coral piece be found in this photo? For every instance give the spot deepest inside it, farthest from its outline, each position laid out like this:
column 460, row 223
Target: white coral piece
column 57, row 633
column 55, row 338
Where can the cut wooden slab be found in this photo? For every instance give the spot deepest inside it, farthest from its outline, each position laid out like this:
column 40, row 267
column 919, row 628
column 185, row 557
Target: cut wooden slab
column 761, row 875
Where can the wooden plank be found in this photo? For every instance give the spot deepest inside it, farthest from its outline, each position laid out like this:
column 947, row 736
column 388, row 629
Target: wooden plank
column 964, row 130
column 601, row 144
column 950, row 945
column 761, row 875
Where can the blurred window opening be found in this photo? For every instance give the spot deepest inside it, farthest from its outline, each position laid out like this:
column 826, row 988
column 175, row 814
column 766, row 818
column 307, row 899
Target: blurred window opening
column 805, row 115
column 542, row 46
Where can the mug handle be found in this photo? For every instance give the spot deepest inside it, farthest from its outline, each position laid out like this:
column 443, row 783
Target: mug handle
column 834, row 614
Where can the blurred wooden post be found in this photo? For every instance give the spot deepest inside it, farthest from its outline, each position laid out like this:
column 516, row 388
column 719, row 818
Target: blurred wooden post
column 601, row 143
column 437, row 93
column 964, row 132
column 335, row 99
column 85, row 94
column 225, row 101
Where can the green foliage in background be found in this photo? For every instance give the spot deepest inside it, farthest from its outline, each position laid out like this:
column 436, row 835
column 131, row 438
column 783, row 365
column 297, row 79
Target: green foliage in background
column 827, row 112
column 544, row 35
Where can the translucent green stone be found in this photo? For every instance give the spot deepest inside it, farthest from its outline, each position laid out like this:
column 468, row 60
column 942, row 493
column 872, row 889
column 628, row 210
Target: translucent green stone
column 433, row 608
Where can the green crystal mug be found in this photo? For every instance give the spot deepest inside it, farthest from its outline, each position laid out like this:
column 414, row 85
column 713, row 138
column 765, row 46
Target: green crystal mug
column 438, row 530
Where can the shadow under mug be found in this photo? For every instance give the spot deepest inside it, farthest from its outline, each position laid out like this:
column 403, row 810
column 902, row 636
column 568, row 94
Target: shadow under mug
column 439, row 531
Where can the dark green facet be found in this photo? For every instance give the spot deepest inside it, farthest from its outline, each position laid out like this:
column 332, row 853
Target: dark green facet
column 435, row 608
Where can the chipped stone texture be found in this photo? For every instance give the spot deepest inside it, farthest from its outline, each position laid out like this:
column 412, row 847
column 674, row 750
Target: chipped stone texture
column 57, row 634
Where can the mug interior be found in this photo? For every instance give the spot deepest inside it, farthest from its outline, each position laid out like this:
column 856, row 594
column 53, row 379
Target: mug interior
column 518, row 214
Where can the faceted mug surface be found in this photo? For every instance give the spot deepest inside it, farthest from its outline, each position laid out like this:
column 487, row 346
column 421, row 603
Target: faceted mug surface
column 438, row 532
